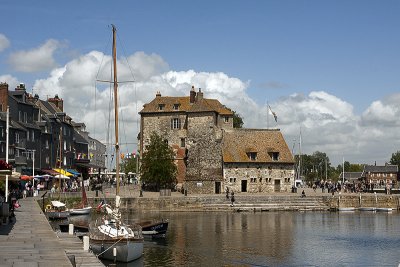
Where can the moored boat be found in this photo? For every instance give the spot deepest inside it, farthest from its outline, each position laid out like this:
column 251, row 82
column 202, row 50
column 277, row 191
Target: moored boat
column 154, row 228
column 346, row 209
column 80, row 211
column 56, row 211
column 384, row 209
column 112, row 234
column 367, row 209
column 83, row 208
column 110, row 238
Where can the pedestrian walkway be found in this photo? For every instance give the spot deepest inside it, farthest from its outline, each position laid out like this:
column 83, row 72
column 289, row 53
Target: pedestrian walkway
column 28, row 240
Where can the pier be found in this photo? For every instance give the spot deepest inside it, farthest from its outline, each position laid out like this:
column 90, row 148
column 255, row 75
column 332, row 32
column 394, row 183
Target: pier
column 29, row 241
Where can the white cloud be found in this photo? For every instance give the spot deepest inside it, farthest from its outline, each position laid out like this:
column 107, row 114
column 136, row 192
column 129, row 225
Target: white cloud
column 383, row 113
column 328, row 123
column 4, row 42
column 37, row 59
column 10, row 80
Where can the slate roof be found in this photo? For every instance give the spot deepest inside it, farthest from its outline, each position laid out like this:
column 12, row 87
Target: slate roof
column 239, row 142
column 79, row 138
column 351, row 175
column 200, row 105
column 381, row 169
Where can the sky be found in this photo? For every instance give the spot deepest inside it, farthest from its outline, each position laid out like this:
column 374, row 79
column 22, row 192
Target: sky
column 328, row 69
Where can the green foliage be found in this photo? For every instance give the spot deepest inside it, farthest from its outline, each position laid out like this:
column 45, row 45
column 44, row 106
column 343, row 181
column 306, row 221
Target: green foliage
column 315, row 167
column 129, row 165
column 237, row 120
column 395, row 159
column 158, row 170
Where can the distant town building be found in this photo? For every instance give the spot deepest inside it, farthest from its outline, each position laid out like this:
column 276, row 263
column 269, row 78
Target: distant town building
column 381, row 175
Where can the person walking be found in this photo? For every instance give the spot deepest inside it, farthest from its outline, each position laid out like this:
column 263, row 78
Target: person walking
column 232, row 198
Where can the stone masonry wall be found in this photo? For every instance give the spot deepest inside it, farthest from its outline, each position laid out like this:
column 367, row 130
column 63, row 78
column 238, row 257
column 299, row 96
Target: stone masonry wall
column 161, row 124
column 260, row 177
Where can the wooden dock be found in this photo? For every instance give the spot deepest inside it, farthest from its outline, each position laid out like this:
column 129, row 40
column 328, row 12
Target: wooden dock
column 28, row 240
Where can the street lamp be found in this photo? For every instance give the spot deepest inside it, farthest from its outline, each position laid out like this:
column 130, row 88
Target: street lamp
column 32, row 153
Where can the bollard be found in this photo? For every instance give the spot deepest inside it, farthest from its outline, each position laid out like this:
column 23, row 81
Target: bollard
column 115, row 254
column 70, row 229
column 85, row 243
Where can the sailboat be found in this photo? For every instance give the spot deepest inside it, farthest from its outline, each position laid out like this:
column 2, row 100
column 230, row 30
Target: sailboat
column 57, row 210
column 84, row 208
column 112, row 239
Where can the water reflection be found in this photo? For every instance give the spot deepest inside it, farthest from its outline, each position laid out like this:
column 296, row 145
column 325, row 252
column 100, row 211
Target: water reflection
column 273, row 239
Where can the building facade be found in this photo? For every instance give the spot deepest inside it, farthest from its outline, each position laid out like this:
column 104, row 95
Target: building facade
column 257, row 160
column 41, row 135
column 199, row 129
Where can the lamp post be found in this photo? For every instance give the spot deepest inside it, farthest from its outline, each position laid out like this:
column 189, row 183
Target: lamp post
column 32, row 154
column 7, row 144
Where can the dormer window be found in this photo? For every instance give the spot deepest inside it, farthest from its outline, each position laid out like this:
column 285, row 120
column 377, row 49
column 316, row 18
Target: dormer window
column 274, row 156
column 161, row 106
column 176, row 107
column 252, row 155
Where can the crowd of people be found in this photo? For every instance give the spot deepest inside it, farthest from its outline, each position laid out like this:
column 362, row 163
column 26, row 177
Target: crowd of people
column 350, row 187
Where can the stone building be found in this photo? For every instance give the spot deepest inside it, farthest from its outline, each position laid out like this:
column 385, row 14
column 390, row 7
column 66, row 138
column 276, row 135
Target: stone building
column 257, row 160
column 381, row 176
column 196, row 128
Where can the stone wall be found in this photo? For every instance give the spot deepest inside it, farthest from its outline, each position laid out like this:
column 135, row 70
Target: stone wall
column 161, row 124
column 259, row 177
column 204, row 162
column 200, row 187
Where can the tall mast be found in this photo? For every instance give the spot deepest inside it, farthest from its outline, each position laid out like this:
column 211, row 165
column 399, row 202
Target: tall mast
column 116, row 106
column 7, row 144
column 299, row 167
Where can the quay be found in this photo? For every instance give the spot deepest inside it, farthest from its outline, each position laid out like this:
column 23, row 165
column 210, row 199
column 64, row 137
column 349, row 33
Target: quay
column 282, row 201
column 28, row 240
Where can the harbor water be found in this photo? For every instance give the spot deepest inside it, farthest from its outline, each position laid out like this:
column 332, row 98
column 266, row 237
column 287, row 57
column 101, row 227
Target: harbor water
column 274, row 239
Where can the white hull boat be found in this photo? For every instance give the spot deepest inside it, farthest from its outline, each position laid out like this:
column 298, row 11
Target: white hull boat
column 112, row 239
column 367, row 209
column 347, row 209
column 81, row 211
column 384, row 209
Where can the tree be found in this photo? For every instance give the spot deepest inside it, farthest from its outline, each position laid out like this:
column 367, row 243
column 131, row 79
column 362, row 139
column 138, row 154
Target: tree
column 315, row 167
column 158, row 169
column 237, row 120
column 395, row 159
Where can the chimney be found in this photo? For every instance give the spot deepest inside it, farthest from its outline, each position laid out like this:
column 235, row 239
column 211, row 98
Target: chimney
column 20, row 87
column 58, row 102
column 158, row 94
column 199, row 95
column 3, row 97
column 192, row 95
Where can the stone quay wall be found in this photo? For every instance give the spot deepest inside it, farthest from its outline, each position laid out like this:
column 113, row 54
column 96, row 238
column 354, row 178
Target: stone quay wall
column 250, row 202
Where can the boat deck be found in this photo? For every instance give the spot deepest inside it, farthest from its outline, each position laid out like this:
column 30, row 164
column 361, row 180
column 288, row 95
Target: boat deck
column 29, row 240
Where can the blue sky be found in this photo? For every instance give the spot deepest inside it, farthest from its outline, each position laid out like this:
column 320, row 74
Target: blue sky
column 328, row 67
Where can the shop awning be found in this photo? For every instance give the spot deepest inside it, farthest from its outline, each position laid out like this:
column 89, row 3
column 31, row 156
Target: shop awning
column 50, row 172
column 74, row 172
column 61, row 176
column 64, row 172
column 15, row 176
column 26, row 177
